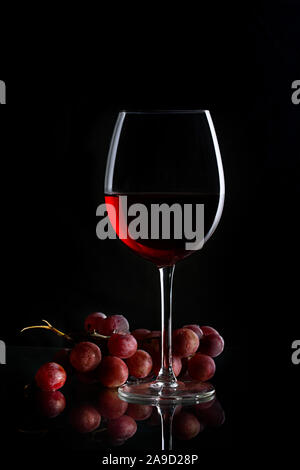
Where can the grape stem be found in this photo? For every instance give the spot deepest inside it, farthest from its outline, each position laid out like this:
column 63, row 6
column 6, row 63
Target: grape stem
column 97, row 335
column 48, row 326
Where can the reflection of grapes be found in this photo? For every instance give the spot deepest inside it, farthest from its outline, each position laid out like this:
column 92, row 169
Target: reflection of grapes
column 140, row 364
column 122, row 345
column 50, row 377
column 186, row 426
column 205, row 405
column 85, row 356
column 154, row 419
column 201, row 367
column 212, row 416
column 84, row 418
column 50, row 404
column 112, row 371
column 139, row 412
column 121, row 428
column 110, row 405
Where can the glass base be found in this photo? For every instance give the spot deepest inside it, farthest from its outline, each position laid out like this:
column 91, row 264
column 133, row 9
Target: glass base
column 182, row 392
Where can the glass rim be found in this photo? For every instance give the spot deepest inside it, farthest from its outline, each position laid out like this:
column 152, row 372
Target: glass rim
column 165, row 111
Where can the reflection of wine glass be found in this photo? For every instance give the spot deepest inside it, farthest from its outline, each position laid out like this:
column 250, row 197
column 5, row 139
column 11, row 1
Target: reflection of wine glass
column 168, row 163
column 109, row 420
column 176, row 422
column 185, row 423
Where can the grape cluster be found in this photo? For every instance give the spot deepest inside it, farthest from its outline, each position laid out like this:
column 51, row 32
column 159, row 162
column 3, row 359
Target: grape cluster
column 104, row 356
column 110, row 354
column 194, row 350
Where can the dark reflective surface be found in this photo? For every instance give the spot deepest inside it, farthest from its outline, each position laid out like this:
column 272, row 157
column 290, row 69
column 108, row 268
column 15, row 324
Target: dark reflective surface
column 67, row 422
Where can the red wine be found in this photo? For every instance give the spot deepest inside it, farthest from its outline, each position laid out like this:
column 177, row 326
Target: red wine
column 161, row 251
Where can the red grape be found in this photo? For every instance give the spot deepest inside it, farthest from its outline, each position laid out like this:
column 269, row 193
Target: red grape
column 139, row 412
column 201, row 367
column 122, row 345
column 62, row 357
column 140, row 334
column 112, row 371
column 196, row 329
column 212, row 345
column 140, row 364
column 184, row 364
column 50, row 377
column 207, row 330
column 185, row 342
column 85, row 356
column 85, row 418
column 50, row 404
column 114, row 324
column 94, row 321
column 156, row 357
column 152, row 346
column 155, row 334
column 186, row 426
column 110, row 405
column 121, row 428
column 176, row 364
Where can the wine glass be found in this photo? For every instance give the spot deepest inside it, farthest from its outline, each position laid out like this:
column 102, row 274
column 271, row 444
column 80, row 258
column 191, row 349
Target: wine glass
column 164, row 167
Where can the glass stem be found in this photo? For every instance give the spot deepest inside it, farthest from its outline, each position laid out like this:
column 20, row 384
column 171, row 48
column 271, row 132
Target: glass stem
column 166, row 375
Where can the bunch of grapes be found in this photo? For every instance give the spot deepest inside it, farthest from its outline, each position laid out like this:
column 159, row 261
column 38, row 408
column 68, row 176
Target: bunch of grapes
column 194, row 350
column 109, row 354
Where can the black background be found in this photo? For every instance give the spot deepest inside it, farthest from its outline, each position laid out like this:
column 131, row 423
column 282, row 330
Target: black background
column 55, row 133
